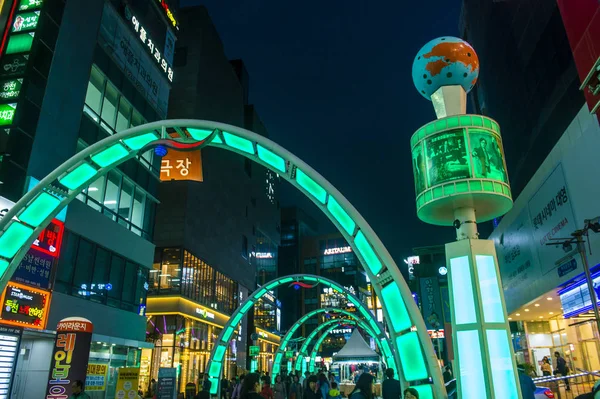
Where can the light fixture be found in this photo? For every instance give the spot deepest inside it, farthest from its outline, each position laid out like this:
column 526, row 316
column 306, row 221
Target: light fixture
column 551, row 312
column 549, row 298
column 518, row 314
column 527, row 310
column 541, row 317
column 537, row 305
column 510, row 318
column 443, row 270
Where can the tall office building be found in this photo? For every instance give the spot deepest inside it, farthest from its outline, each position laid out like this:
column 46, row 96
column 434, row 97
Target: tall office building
column 216, row 223
column 534, row 58
column 527, row 82
column 295, row 226
column 75, row 72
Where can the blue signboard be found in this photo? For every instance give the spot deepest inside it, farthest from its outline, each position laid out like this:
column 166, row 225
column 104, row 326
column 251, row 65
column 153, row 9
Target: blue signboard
column 576, row 298
column 567, row 268
column 35, row 269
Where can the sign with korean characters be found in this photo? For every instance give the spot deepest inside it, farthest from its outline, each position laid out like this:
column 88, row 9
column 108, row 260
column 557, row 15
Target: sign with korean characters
column 177, row 165
column 7, row 113
column 127, row 382
column 70, row 356
column 254, row 351
column 551, row 216
column 95, row 379
column 26, row 21
column 10, row 89
column 29, row 4
column 35, row 269
column 24, row 306
column 167, row 383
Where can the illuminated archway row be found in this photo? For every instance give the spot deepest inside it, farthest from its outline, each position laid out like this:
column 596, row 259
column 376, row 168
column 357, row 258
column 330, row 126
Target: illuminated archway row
column 215, row 362
column 37, row 208
column 313, row 354
column 354, row 319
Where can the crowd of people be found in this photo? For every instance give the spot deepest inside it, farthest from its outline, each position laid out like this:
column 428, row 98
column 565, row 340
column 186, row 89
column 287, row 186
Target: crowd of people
column 321, row 385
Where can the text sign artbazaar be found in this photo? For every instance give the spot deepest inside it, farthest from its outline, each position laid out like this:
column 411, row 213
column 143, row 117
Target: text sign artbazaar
column 24, row 306
column 26, row 21
column 7, row 113
column 10, row 89
column 177, row 165
column 340, row 250
column 70, row 356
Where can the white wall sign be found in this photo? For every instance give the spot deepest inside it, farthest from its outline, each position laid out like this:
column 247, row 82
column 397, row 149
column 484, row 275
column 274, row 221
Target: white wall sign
column 263, row 255
column 340, row 250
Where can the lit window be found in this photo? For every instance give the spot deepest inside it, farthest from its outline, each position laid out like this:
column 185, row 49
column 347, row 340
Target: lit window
column 109, row 106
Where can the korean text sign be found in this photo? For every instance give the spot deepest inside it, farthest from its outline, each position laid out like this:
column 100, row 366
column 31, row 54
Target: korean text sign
column 127, row 382
column 96, row 377
column 69, row 357
column 179, row 165
column 24, row 306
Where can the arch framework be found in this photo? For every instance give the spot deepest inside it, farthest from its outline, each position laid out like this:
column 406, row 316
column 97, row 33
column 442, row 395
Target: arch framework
column 215, row 363
column 32, row 213
column 353, row 318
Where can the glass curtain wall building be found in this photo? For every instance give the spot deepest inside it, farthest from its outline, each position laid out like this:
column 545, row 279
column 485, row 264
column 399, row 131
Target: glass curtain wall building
column 120, row 77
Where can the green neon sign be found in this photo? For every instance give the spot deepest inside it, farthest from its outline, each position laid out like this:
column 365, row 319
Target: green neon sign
column 19, row 43
column 30, row 4
column 26, row 21
column 289, row 354
column 7, row 113
column 254, row 351
column 10, row 89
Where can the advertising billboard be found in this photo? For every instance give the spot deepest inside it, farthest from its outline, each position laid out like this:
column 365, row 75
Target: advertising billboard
column 488, row 159
column 446, row 157
column 70, row 356
column 24, row 306
column 178, row 165
column 127, row 382
column 96, row 377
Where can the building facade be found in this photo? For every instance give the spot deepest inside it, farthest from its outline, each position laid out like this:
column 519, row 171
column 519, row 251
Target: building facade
column 214, row 227
column 93, row 261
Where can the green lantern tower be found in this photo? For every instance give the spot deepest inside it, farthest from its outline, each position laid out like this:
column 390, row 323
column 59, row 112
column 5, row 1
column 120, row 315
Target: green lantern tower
column 461, row 179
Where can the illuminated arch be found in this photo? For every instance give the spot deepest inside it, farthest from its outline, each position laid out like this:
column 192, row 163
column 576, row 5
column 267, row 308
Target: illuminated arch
column 315, row 350
column 215, row 362
column 353, row 319
column 36, row 209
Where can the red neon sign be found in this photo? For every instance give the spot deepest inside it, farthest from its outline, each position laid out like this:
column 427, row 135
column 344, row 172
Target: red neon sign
column 50, row 239
column 168, row 12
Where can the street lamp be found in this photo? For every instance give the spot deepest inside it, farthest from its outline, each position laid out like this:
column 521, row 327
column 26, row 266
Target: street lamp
column 577, row 237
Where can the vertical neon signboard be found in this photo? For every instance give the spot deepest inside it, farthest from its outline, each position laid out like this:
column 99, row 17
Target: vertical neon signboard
column 69, row 357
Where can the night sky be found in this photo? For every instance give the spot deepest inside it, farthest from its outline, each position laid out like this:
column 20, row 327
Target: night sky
column 331, row 81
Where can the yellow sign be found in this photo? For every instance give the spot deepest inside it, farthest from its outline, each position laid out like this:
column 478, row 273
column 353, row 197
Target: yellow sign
column 127, row 383
column 95, row 379
column 177, row 165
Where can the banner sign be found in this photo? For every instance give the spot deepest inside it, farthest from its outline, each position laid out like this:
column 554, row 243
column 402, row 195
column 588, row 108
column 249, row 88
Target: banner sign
column 127, row 382
column 167, row 383
column 431, row 303
column 24, row 306
column 69, row 357
column 96, row 377
column 35, row 269
column 10, row 341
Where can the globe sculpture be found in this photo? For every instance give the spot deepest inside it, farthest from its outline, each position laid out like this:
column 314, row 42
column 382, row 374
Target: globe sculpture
column 458, row 160
column 460, row 180
column 445, row 61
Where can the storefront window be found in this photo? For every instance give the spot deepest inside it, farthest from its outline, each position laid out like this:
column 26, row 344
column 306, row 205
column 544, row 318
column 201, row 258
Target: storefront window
column 192, row 278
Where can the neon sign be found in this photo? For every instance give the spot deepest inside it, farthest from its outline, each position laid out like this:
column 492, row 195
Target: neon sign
column 339, row 250
column 263, row 255
column 50, row 239
column 154, row 51
column 26, row 21
column 7, row 113
column 168, row 12
column 10, row 89
column 91, row 290
column 24, row 306
column 205, row 313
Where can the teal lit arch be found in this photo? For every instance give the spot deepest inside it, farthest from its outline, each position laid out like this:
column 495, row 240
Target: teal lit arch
column 352, row 319
column 34, row 211
column 313, row 354
column 215, row 362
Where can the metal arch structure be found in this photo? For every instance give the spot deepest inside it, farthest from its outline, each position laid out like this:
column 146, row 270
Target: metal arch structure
column 353, row 319
column 215, row 362
column 34, row 211
column 315, row 350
